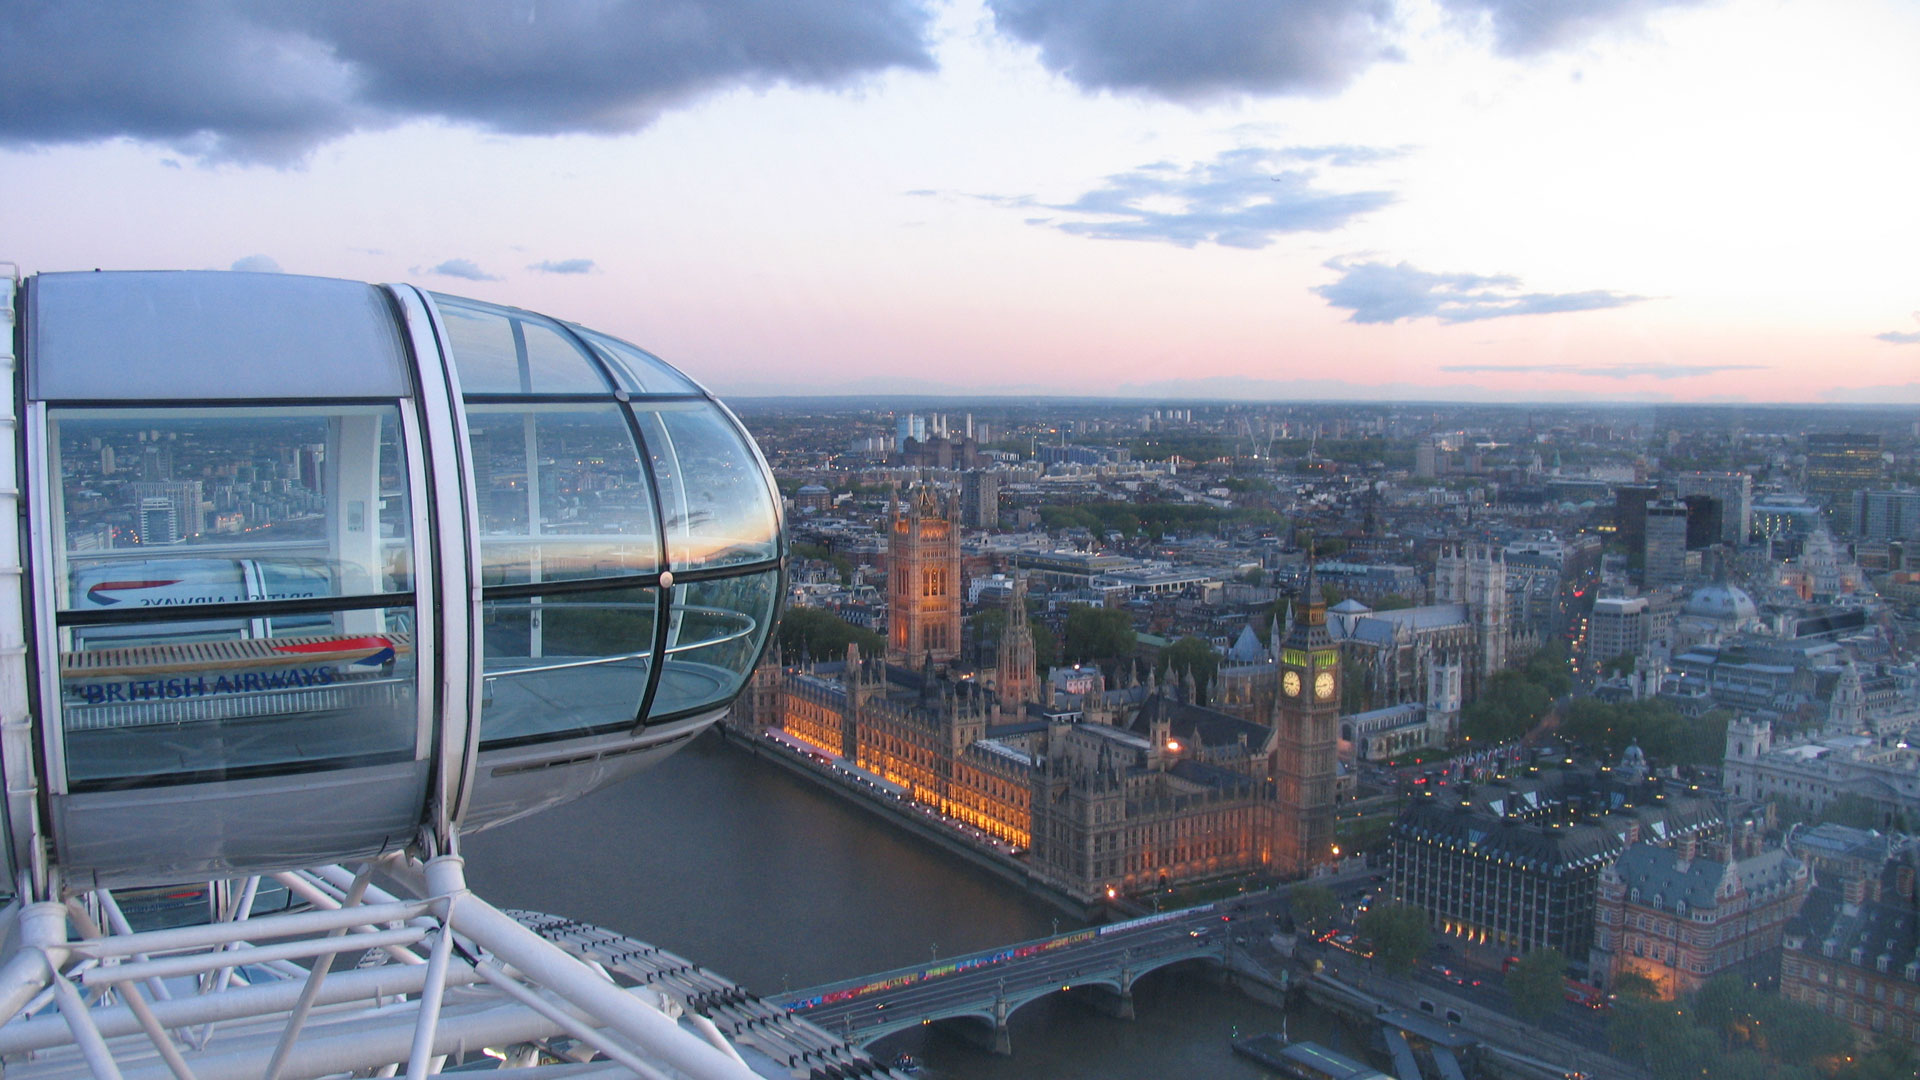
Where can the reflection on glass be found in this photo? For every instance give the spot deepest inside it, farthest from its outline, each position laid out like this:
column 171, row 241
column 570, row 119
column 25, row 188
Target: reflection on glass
column 715, row 633
column 715, row 497
column 565, row 665
column 159, row 508
column 561, row 493
column 500, row 350
column 635, row 368
column 164, row 700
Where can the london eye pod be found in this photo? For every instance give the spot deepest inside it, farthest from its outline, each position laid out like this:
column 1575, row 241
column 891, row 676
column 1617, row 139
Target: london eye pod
column 316, row 570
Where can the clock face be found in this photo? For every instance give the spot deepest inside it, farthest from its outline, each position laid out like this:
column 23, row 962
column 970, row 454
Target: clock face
column 1290, row 682
column 1323, row 685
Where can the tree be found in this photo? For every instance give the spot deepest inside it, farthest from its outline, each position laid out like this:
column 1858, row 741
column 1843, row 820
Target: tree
column 989, row 624
column 1506, row 709
column 1536, row 982
column 822, row 635
column 1313, row 906
column 1190, row 654
column 1097, row 634
column 1398, row 934
column 1633, row 984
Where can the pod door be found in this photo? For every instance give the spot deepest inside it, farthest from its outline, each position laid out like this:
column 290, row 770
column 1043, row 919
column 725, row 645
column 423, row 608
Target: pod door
column 231, row 655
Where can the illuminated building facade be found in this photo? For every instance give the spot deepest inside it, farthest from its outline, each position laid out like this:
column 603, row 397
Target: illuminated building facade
column 1172, row 793
column 1679, row 916
column 1518, row 867
column 923, row 581
column 1180, row 795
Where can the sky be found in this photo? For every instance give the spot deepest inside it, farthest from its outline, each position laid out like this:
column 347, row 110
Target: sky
column 1523, row 200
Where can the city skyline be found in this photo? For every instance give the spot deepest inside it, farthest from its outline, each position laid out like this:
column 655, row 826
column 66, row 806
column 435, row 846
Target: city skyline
column 1425, row 200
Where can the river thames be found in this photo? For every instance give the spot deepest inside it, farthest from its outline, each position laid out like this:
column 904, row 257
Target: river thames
column 748, row 870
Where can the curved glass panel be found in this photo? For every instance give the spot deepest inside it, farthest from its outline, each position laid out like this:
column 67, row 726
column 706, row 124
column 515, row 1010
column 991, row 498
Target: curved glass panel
column 718, row 509
column 714, row 635
column 158, row 508
column 211, row 335
column 154, row 704
column 504, row 351
column 635, row 368
column 566, row 665
column 562, row 493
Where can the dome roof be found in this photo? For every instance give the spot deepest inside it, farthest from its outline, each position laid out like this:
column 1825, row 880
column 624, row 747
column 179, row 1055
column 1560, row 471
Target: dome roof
column 1722, row 603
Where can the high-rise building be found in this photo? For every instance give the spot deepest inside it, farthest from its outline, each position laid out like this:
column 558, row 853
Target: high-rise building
column 185, row 496
column 159, row 522
column 1734, row 490
column 1666, row 552
column 1630, row 513
column 1839, row 464
column 1618, row 627
column 1306, row 739
column 980, row 499
column 1704, row 516
column 1887, row 515
column 923, row 580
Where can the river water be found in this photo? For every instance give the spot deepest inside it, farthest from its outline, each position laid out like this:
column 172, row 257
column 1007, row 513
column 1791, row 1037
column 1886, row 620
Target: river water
column 742, row 867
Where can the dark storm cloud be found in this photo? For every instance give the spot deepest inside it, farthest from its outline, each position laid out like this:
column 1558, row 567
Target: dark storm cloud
column 1530, row 27
column 1237, row 200
column 1607, row 371
column 1202, row 48
column 1377, row 292
column 564, row 266
column 270, row 80
column 463, row 268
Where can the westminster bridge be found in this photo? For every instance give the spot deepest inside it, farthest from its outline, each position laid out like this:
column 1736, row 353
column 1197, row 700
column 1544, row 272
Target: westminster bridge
column 1102, row 963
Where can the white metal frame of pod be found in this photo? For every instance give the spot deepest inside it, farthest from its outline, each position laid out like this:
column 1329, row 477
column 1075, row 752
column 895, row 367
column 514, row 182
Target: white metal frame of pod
column 71, row 952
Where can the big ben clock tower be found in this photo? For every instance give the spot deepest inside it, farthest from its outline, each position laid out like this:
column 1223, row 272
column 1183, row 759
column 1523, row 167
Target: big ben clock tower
column 1306, row 736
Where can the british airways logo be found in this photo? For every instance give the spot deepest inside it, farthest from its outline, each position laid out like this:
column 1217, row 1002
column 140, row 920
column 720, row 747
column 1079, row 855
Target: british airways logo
column 99, row 593
column 379, row 650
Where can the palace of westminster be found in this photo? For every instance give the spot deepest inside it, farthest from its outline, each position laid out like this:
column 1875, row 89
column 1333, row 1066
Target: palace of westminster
column 1110, row 789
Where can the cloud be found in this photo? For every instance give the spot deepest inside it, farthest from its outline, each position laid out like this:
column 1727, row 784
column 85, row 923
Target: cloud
column 564, row 266
column 268, row 81
column 1530, row 27
column 1377, row 292
column 1607, row 371
column 1202, row 49
column 463, row 268
column 1237, row 200
column 256, row 264
column 1899, row 337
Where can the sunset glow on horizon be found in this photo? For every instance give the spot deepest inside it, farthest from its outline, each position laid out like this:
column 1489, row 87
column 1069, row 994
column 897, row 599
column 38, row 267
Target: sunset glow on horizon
column 1421, row 199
